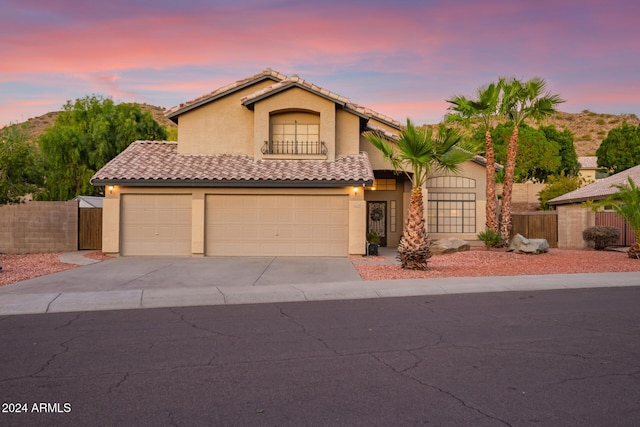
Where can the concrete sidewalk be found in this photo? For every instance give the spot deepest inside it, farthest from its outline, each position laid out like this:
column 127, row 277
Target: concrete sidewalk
column 131, row 283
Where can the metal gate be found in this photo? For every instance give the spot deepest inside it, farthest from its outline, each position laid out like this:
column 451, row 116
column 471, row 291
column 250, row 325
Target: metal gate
column 612, row 219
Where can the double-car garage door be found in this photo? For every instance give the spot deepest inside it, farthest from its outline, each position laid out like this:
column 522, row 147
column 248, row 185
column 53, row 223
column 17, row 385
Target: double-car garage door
column 237, row 225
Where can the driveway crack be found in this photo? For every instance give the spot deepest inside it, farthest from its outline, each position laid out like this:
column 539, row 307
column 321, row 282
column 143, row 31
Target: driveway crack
column 263, row 271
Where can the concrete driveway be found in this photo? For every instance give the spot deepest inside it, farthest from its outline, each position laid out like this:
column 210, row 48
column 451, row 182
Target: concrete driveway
column 125, row 273
column 147, row 282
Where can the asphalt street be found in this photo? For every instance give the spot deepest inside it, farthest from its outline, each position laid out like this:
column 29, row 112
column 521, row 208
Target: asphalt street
column 557, row 357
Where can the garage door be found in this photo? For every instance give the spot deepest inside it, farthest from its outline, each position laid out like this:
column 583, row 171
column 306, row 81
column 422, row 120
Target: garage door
column 277, row 225
column 155, row 224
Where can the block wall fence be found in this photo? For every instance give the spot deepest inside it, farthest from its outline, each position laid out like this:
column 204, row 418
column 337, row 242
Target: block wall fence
column 39, row 227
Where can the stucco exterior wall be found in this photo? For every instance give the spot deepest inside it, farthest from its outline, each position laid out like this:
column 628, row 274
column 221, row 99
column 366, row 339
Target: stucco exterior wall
column 223, row 126
column 347, row 133
column 524, row 196
column 572, row 220
column 112, row 212
column 294, row 99
column 39, row 227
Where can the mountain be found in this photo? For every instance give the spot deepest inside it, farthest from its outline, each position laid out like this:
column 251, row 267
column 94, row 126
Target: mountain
column 37, row 125
column 589, row 128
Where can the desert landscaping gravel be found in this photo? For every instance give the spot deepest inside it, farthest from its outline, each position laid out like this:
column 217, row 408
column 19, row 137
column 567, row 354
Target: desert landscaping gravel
column 499, row 262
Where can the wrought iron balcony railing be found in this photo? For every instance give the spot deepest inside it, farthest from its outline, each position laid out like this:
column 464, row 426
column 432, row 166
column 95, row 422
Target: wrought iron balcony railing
column 301, row 148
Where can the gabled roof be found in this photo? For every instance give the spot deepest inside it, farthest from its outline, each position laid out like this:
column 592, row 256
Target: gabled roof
column 153, row 163
column 91, row 201
column 588, row 162
column 267, row 74
column 296, row 81
column 281, row 83
column 600, row 189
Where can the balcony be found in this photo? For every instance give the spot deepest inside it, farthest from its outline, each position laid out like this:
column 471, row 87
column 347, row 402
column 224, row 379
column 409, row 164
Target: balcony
column 295, row 148
column 299, row 150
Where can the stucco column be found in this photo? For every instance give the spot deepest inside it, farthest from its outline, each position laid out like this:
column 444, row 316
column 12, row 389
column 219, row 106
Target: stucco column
column 197, row 223
column 111, row 224
column 357, row 221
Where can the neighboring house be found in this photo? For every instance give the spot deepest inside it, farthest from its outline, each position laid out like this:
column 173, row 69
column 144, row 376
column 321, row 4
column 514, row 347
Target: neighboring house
column 273, row 165
column 588, row 168
column 574, row 217
column 89, row 201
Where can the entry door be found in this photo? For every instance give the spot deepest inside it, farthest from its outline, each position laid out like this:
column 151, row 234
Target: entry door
column 377, row 220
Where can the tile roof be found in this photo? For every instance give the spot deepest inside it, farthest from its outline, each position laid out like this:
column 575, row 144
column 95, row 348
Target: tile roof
column 159, row 163
column 588, row 162
column 295, row 80
column 267, row 73
column 282, row 82
column 600, row 189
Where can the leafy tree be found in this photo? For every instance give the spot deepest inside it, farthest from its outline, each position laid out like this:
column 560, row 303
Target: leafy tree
column 419, row 154
column 557, row 186
column 569, row 165
column 520, row 100
column 537, row 158
column 86, row 135
column 620, row 150
column 20, row 165
column 485, row 107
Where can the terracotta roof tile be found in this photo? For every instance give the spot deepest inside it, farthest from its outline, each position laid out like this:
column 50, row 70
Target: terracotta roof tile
column 267, row 73
column 600, row 189
column 588, row 162
column 151, row 161
column 344, row 101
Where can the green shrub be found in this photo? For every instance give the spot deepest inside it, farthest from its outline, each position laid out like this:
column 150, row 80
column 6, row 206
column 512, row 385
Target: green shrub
column 373, row 237
column 557, row 186
column 601, row 236
column 490, row 237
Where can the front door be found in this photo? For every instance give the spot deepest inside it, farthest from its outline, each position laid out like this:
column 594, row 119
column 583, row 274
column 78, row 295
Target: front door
column 377, row 220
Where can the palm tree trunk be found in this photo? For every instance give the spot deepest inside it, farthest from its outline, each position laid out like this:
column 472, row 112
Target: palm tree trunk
column 510, row 167
column 492, row 220
column 413, row 250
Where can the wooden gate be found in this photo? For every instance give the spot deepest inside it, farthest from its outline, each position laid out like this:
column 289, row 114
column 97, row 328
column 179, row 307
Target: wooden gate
column 536, row 225
column 612, row 219
column 89, row 228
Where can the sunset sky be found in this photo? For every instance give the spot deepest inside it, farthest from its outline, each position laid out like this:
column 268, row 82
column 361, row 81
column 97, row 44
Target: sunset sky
column 402, row 58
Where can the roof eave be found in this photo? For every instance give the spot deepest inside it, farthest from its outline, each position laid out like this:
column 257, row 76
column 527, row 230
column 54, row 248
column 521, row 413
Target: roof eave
column 173, row 116
column 249, row 102
column 232, row 183
column 575, row 200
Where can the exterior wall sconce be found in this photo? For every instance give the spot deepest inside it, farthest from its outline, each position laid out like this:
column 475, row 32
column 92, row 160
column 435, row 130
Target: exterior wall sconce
column 111, row 189
column 355, row 190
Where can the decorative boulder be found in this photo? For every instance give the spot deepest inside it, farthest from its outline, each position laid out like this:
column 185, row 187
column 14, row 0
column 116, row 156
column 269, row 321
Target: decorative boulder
column 522, row 245
column 447, row 246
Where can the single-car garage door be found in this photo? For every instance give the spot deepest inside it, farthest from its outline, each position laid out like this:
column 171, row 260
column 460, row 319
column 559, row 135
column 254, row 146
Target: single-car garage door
column 277, row 225
column 155, row 224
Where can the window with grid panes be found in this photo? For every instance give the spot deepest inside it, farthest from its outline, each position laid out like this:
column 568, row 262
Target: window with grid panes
column 452, row 212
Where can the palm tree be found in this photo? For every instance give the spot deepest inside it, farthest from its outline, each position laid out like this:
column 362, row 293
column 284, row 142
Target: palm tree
column 485, row 107
column 626, row 203
column 520, row 100
column 418, row 154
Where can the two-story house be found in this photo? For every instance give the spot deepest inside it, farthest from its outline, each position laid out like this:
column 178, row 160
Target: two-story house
column 272, row 165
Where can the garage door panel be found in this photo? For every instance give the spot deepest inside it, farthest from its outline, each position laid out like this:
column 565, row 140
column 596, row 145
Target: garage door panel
column 281, row 225
column 156, row 224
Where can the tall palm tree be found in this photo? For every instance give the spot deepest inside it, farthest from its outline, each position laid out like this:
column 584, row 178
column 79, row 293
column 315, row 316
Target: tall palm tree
column 521, row 100
column 485, row 107
column 418, row 154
